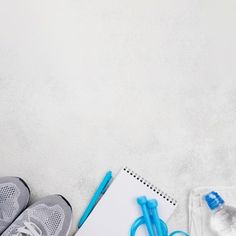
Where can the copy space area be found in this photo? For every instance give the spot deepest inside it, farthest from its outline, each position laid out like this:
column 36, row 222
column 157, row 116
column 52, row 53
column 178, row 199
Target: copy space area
column 92, row 85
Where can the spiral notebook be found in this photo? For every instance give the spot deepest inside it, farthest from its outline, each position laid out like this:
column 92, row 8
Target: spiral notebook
column 117, row 210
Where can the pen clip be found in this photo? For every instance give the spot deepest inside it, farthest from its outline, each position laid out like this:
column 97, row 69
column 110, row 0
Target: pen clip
column 106, row 187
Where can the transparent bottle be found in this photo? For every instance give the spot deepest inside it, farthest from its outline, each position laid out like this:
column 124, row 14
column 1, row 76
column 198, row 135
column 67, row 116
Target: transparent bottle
column 222, row 221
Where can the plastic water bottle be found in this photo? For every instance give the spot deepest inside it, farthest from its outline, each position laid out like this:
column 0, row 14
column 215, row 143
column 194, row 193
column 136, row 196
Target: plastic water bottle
column 222, row 221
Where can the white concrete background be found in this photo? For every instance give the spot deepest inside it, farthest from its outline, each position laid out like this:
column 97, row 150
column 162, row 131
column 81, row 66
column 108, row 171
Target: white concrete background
column 91, row 85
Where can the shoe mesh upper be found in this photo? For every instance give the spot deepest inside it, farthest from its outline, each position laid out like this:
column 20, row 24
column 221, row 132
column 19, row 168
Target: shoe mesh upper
column 9, row 194
column 51, row 218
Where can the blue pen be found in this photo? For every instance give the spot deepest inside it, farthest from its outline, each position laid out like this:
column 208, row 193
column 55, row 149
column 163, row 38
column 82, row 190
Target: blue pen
column 98, row 194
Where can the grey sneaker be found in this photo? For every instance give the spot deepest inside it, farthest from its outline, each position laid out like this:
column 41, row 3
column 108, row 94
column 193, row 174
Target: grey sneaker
column 51, row 216
column 14, row 198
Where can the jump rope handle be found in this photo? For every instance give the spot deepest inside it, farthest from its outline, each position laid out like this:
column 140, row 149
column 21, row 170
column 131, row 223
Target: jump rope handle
column 150, row 217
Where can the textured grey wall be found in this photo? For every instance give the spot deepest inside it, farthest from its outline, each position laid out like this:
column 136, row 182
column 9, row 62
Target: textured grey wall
column 88, row 85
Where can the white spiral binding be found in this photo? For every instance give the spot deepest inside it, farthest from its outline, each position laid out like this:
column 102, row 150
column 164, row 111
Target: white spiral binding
column 151, row 186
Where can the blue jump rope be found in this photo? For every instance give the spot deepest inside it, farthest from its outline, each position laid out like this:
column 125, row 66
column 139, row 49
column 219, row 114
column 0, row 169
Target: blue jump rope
column 155, row 226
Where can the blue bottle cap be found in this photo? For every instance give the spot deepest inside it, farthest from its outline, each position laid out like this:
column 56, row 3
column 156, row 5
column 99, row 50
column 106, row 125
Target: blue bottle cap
column 214, row 200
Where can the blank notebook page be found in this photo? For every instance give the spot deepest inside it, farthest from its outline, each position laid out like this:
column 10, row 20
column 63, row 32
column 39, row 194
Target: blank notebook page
column 117, row 210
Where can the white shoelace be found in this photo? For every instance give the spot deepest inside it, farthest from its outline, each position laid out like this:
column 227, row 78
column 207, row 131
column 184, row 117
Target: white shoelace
column 29, row 229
